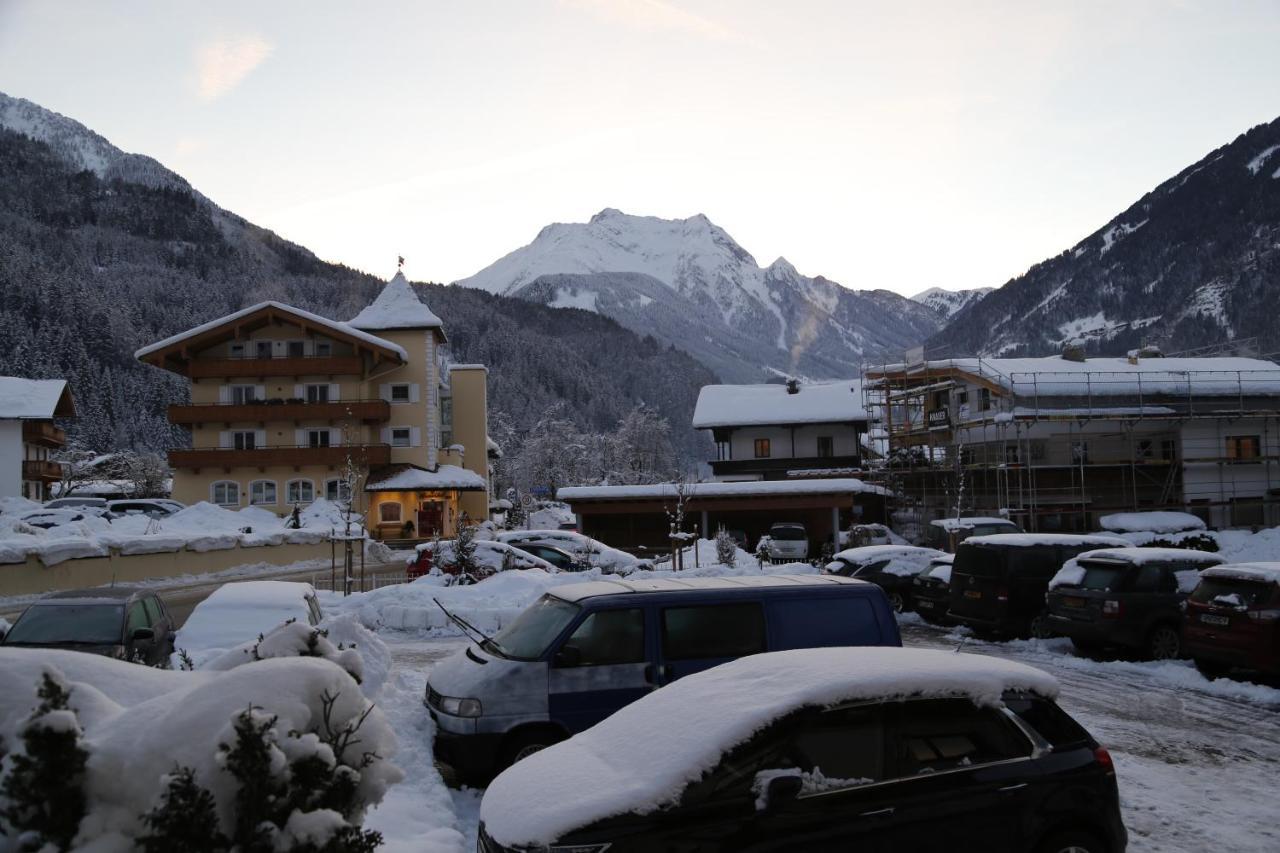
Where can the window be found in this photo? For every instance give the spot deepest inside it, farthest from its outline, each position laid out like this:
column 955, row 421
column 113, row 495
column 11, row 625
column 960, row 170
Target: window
column 400, row 393
column 318, row 393
column 401, row 436
column 608, row 638
column 337, row 491
column 137, row 619
column 1145, row 449
column 1243, row 447
column 296, row 349
column 1168, row 449
column 300, row 491
column 1011, row 454
column 317, row 438
column 985, row 395
column 389, row 513
column 844, row 745
column 762, row 448
column 446, row 421
column 723, row 452
column 262, row 349
column 154, row 614
column 929, row 736
column 939, row 399
column 226, row 493
column 262, row 492
column 323, row 348
column 244, row 440
column 241, row 394
column 1050, row 722
column 712, row 631
column 962, row 398
column 826, row 447
column 236, row 350
column 1149, row 578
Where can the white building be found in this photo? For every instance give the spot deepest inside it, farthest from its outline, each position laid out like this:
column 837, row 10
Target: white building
column 28, row 434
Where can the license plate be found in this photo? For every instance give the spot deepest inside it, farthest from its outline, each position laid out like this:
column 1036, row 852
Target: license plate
column 972, row 593
column 1073, row 602
column 927, row 605
column 1210, row 619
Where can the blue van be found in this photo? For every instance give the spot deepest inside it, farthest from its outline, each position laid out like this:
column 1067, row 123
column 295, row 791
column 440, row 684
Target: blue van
column 584, row 650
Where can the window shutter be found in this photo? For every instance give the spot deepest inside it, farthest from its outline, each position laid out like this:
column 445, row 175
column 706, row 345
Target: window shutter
column 224, row 439
column 300, row 437
column 335, row 392
column 259, row 438
column 413, row 392
column 260, row 392
column 224, row 394
column 385, row 435
column 335, row 437
column 384, row 391
column 300, row 391
column 415, row 437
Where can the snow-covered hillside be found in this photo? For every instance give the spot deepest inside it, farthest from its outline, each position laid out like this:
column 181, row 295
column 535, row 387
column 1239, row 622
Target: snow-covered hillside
column 687, row 282
column 948, row 303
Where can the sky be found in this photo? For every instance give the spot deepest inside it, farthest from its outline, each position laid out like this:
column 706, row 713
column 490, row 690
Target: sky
column 883, row 145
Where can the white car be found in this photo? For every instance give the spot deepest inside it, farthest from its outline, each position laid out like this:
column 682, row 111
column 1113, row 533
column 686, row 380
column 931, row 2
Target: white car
column 151, row 507
column 788, row 542
column 77, row 503
column 237, row 613
column 593, row 551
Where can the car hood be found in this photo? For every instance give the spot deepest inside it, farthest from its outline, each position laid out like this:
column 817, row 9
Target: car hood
column 502, row 686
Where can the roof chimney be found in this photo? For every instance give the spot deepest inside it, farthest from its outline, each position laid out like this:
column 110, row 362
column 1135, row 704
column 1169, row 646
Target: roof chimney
column 793, row 386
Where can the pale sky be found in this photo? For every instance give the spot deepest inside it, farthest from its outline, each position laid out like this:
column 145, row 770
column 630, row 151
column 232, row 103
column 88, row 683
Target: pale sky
column 895, row 145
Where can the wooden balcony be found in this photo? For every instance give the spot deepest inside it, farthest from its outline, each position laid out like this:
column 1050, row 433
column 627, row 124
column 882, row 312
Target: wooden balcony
column 43, row 433
column 280, row 456
column 240, row 368
column 41, row 469
column 365, row 411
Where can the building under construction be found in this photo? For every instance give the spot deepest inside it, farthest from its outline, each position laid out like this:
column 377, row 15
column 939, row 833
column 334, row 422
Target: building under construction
column 1057, row 442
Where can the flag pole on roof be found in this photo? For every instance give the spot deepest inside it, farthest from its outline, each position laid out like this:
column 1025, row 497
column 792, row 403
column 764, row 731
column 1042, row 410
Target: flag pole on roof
column 400, row 262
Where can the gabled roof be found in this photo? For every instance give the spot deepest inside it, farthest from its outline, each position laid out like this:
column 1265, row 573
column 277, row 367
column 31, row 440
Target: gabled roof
column 223, row 328
column 411, row 478
column 35, row 399
column 397, row 307
column 770, row 404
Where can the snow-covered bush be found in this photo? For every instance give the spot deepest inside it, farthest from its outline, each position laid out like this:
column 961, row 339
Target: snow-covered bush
column 291, row 639
column 726, row 548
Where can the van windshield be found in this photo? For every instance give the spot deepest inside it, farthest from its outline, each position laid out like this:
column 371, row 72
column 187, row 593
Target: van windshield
column 527, row 638
column 787, row 534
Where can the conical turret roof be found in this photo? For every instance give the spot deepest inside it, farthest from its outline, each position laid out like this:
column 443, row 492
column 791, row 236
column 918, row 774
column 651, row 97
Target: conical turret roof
column 397, row 307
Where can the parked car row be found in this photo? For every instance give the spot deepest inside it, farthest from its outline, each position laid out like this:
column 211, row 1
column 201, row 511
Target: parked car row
column 63, row 511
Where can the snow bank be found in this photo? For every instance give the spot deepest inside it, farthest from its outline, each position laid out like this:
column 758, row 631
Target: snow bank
column 494, row 556
column 1156, row 522
column 139, row 723
column 637, row 761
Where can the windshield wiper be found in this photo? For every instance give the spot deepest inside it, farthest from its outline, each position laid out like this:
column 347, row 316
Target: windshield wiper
column 467, row 628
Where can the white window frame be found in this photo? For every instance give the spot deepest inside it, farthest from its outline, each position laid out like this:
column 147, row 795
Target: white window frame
column 275, row 493
column 248, row 394
column 328, row 437
column 289, row 496
column 322, row 348
column 339, row 487
column 408, row 437
column 306, row 392
column 249, row 432
column 213, row 492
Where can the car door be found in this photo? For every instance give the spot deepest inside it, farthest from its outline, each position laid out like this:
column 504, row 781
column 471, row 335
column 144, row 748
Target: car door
column 600, row 667
column 699, row 636
column 962, row 777
column 163, row 628
column 140, row 651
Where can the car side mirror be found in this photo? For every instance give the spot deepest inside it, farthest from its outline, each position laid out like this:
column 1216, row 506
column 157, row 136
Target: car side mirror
column 142, row 635
column 777, row 790
column 568, row 656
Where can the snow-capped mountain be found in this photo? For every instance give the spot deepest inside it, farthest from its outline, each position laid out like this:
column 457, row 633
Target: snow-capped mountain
column 1195, row 262
column 949, row 302
column 687, row 282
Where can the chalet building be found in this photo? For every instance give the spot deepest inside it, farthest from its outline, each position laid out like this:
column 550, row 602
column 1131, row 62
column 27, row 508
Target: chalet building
column 1060, row 441
column 779, row 432
column 28, row 435
column 287, row 406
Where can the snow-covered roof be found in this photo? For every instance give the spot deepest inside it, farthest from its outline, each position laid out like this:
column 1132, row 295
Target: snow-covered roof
column 1027, row 540
column 411, row 478
column 613, row 586
column 1140, row 556
column 1154, row 522
column 34, row 398
column 637, row 761
column 397, row 307
column 770, row 404
column 1101, row 377
column 313, row 319
column 1265, row 572
column 968, row 522
column 750, row 488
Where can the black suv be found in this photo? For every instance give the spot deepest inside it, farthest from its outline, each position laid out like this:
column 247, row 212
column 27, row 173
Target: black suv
column 117, row 621
column 1126, row 597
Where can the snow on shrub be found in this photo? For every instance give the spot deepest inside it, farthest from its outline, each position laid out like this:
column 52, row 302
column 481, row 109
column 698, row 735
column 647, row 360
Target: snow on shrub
column 288, row 640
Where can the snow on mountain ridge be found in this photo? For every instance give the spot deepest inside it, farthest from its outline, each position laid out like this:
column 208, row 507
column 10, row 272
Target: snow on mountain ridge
column 950, row 302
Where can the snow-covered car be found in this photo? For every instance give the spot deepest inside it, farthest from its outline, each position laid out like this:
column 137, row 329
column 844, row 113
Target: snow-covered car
column 947, row 533
column 490, row 557
column 859, row 535
column 788, row 542
column 50, row 518
column 595, row 552
column 1151, row 522
column 931, row 590
column 117, row 621
column 76, row 503
column 822, row 749
column 153, row 508
column 238, row 613
column 890, row 567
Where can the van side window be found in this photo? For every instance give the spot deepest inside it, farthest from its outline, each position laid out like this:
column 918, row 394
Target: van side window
column 816, row 622
column 609, row 637
column 712, row 631
column 928, row 736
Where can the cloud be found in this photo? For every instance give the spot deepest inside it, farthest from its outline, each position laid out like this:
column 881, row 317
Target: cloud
column 657, row 15
column 221, row 64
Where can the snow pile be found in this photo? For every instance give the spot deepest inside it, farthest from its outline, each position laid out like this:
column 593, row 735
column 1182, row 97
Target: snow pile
column 238, row 613
column 140, row 723
column 489, row 555
column 290, row 639
column 551, row 516
column 1155, row 522
column 636, row 761
column 703, row 554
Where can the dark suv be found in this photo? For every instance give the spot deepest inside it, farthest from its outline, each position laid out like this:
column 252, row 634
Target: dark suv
column 1233, row 619
column 118, row 621
column 1126, row 597
column 998, row 583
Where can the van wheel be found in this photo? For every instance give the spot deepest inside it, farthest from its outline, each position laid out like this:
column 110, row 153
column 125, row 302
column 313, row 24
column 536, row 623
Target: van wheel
column 1163, row 643
column 1211, row 669
column 524, row 744
column 1040, row 628
column 896, row 602
column 1071, row 842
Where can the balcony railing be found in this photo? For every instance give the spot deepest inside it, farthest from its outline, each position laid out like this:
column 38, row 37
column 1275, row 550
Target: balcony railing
column 43, row 433
column 229, row 368
column 41, row 469
column 723, row 467
column 261, row 411
column 286, row 455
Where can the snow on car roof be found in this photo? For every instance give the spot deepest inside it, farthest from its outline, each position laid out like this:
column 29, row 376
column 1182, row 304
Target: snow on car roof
column 753, row 488
column 1265, row 572
column 1027, row 540
column 614, row 586
column 1153, row 522
column 1140, row 556
column 764, row 404
column 969, row 522
column 238, row 612
column 637, row 761
column 876, row 552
